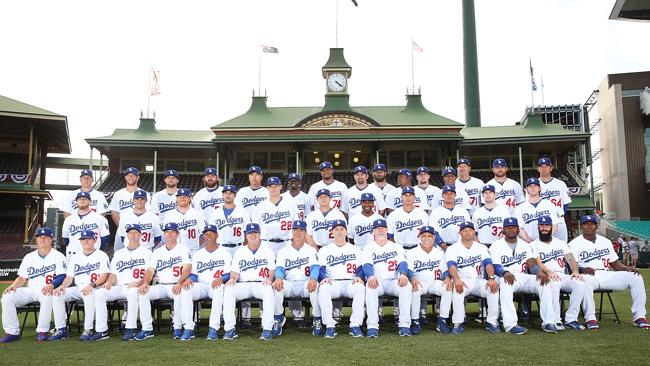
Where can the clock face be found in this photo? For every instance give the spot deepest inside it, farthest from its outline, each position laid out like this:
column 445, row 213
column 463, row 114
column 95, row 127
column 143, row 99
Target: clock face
column 336, row 82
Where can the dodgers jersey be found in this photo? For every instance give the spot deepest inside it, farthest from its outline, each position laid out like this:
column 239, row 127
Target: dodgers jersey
column 129, row 266
column 394, row 199
column 552, row 254
column 360, row 228
column 149, row 222
column 340, row 262
column 87, row 268
column 385, row 190
column 97, row 202
column 468, row 261
column 513, row 261
column 168, row 264
column 163, row 202
column 426, row 266
column 275, row 219
column 405, row 226
column 123, row 200
column 527, row 214
column 352, row 199
column 489, row 223
column 337, row 189
column 230, row 228
column 210, row 265
column 384, row 259
column 318, row 225
column 39, row 271
column 430, row 192
column 508, row 194
column 207, row 200
column 597, row 255
column 302, row 202
column 296, row 263
column 555, row 191
column 190, row 225
column 253, row 266
column 442, row 217
column 462, row 200
column 248, row 198
column 74, row 224
column 472, row 187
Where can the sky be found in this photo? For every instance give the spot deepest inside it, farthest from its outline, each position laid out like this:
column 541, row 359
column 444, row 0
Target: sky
column 91, row 60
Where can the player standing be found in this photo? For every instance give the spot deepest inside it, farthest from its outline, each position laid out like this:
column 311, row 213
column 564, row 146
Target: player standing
column 148, row 222
column 394, row 198
column 449, row 214
column 275, row 216
column 462, row 200
column 97, row 199
column 209, row 198
column 328, row 182
column 423, row 174
column 123, row 200
column 471, row 185
column 488, row 220
column 352, row 196
column 556, row 192
column 360, row 233
column 189, row 220
column 165, row 200
column 250, row 197
column 83, row 219
column 320, row 220
column 230, row 220
column 509, row 192
column 379, row 180
column 533, row 208
column 404, row 222
column 299, row 197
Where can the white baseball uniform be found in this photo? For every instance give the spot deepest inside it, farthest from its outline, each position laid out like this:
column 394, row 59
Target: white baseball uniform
column 207, row 200
column 230, row 227
column 489, row 223
column 302, row 202
column 318, row 225
column 404, row 226
column 336, row 188
column 428, row 269
column 163, row 202
column 248, row 199
column 508, row 194
column 527, row 214
column 97, row 202
column 431, row 192
column 472, row 188
column 190, row 225
column 297, row 266
column 74, row 224
column 148, row 221
column 275, row 222
column 557, row 192
column 385, row 190
column 352, row 199
column 462, row 200
column 86, row 269
column 360, row 228
column 394, row 199
column 123, row 200
column 441, row 217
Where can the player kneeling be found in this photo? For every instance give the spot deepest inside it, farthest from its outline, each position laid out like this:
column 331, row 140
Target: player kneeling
column 385, row 269
column 429, row 275
column 127, row 271
column 210, row 270
column 43, row 270
column 251, row 276
column 464, row 261
column 172, row 265
column 296, row 275
column 339, row 262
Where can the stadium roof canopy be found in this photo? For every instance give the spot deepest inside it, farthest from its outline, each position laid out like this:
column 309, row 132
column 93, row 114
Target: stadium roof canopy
column 636, row 10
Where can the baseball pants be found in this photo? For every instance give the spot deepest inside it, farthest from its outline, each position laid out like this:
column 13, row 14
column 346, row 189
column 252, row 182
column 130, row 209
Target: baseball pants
column 528, row 284
column 475, row 287
column 389, row 287
column 247, row 290
column 435, row 287
column 25, row 295
column 74, row 294
column 203, row 291
column 182, row 307
column 342, row 288
column 120, row 292
column 296, row 289
column 616, row 281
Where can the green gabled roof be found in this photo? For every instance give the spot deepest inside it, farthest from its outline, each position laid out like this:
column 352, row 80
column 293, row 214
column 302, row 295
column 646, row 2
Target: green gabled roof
column 128, row 137
column 9, row 106
column 357, row 136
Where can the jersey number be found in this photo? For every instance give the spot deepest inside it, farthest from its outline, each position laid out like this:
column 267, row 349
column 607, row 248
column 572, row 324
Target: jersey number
column 264, row 273
column 605, row 263
column 307, row 271
column 48, row 279
column 145, row 237
column 556, row 202
column 351, row 268
column 218, row 273
column 511, row 202
column 472, row 201
column 191, row 233
column 138, row 273
column 496, row 230
column 437, row 274
column 392, row 265
column 93, row 277
column 177, row 271
column 236, row 231
column 285, row 225
column 560, row 262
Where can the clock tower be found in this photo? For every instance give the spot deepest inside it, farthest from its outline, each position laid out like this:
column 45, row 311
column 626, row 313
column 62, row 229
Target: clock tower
column 336, row 73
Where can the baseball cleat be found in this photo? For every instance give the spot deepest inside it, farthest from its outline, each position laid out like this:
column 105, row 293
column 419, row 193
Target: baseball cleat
column 9, row 338
column 356, row 332
column 330, row 332
column 372, row 333
column 178, row 333
column 213, row 335
column 144, row 334
column 41, row 336
column 99, row 336
column 230, row 335
column 442, row 327
column 517, row 330
column 59, row 335
column 559, row 326
column 187, row 335
column 266, row 335
column 278, row 323
column 316, row 329
column 415, row 327
column 641, row 323
column 592, row 325
column 85, row 336
column 574, row 325
column 458, row 329
column 492, row 328
column 405, row 332
column 129, row 334
column 549, row 328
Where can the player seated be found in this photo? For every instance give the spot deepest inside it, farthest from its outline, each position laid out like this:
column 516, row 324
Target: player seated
column 296, row 275
column 466, row 262
column 88, row 269
column 386, row 272
column 210, row 271
column 42, row 270
column 339, row 262
column 128, row 267
column 171, row 266
column 251, row 276
column 429, row 275
column 595, row 257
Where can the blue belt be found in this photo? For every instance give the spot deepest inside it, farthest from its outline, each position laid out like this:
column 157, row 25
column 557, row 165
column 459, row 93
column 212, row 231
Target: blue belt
column 231, row 245
column 277, row 240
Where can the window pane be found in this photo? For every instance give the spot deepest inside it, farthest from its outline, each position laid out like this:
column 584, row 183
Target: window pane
column 414, row 158
column 243, row 160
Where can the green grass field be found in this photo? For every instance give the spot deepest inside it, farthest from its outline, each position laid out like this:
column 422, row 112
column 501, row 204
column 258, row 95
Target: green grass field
column 613, row 344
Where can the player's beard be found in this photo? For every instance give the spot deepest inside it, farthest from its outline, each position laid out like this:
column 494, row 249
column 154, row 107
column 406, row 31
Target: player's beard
column 210, row 184
column 171, row 185
column 380, row 179
column 545, row 236
column 500, row 174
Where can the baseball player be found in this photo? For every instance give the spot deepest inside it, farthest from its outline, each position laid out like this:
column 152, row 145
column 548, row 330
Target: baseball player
column 209, row 198
column 429, row 275
column 509, row 192
column 127, row 270
column 230, row 220
column 386, row 272
column 335, row 187
column 340, row 263
column 595, row 257
column 465, row 261
column 553, row 256
column 360, row 233
column 84, row 219
column 42, row 270
column 165, row 200
column 488, row 219
column 533, row 208
column 296, row 275
column 471, row 185
column 379, row 179
column 352, row 196
column 462, row 200
column 172, row 265
column 320, row 220
column 148, row 222
column 189, row 220
column 449, row 214
column 97, row 199
column 210, row 271
column 123, row 200
column 404, row 222
column 251, row 275
column 88, row 269
column 423, row 174
column 555, row 191
column 298, row 196
column 250, row 197
column 394, row 197
column 275, row 216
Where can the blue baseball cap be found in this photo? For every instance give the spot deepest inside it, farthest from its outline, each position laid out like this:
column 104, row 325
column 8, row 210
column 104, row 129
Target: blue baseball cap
column 446, row 189
column 140, row 193
column 408, row 189
column 212, row 228
column 326, row 165
column 323, row 191
column 336, row 223
column 544, row 220
column 87, row 234
column 465, row 225
column 86, row 172
column 273, row 181
column 255, row 169
column 367, row 197
column 510, row 221
column 588, row 218
column 426, row 229
column 422, row 169
column 406, row 172
column 299, row 224
column 130, row 227
column 379, row 166
column 379, row 223
column 530, row 181
column 295, row 176
column 183, row 192
column 132, row 170
column 82, row 194
column 210, row 171
column 499, row 162
column 170, row 226
column 44, row 231
column 449, row 170
column 463, row 161
column 229, row 188
column 171, row 173
column 252, row 228
column 543, row 161
column 488, row 187
column 360, row 169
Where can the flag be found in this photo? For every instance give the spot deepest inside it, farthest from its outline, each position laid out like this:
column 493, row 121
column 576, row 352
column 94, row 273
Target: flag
column 155, row 88
column 417, row 47
column 355, row 3
column 532, row 78
column 269, row 49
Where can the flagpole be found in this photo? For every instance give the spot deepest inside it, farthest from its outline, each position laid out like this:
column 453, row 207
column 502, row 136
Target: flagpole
column 149, row 90
column 259, row 76
column 336, row 41
column 541, row 79
column 532, row 92
column 412, row 68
